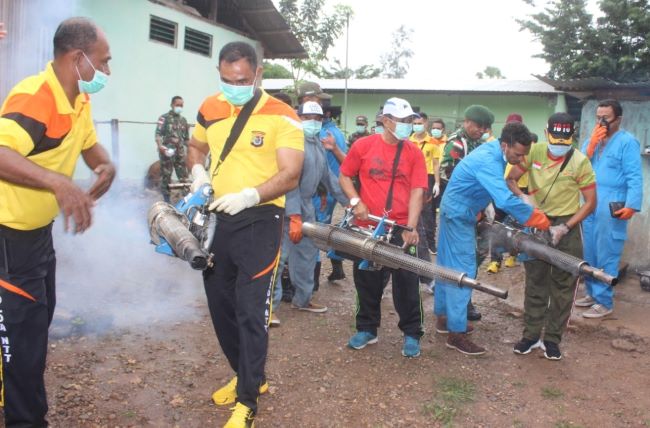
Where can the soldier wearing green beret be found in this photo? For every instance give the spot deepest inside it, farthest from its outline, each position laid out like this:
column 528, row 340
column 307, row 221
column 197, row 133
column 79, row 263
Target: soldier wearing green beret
column 478, row 119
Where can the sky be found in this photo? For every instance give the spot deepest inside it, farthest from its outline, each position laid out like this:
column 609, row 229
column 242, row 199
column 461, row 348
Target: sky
column 451, row 39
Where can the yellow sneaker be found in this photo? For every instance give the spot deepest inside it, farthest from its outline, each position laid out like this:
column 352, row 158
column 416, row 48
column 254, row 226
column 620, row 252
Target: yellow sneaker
column 510, row 261
column 228, row 393
column 242, row 417
column 493, row 267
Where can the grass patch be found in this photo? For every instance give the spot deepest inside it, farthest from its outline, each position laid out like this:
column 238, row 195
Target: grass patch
column 551, row 393
column 565, row 424
column 452, row 394
column 518, row 424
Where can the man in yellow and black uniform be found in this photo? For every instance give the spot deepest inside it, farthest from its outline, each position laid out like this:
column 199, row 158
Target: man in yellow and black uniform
column 264, row 164
column 45, row 125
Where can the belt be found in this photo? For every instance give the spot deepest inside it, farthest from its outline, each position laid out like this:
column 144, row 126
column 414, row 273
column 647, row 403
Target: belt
column 15, row 234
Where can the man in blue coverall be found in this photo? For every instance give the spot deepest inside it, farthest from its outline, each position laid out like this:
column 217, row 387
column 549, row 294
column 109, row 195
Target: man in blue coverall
column 616, row 158
column 477, row 180
column 300, row 251
column 311, row 91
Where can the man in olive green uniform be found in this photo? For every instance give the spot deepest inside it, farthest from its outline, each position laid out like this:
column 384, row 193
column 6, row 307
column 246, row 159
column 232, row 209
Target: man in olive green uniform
column 172, row 135
column 478, row 119
column 361, row 130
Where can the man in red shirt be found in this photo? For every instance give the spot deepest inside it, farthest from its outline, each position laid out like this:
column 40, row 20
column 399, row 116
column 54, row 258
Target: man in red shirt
column 393, row 177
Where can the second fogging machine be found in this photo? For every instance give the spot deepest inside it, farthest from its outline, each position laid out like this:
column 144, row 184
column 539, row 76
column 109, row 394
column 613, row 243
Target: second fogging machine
column 356, row 242
column 515, row 240
column 184, row 230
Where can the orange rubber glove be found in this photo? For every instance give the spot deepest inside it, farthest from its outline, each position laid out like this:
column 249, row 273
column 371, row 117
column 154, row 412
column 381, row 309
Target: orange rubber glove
column 538, row 220
column 625, row 213
column 295, row 228
column 598, row 135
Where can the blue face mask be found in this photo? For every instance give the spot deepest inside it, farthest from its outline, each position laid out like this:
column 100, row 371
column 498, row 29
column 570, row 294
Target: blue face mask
column 403, row 130
column 485, row 136
column 96, row 84
column 311, row 128
column 418, row 127
column 361, row 129
column 379, row 129
column 558, row 150
column 237, row 95
column 436, row 133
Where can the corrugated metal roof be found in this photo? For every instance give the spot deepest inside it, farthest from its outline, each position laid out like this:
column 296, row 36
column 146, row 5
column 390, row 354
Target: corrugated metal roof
column 532, row 86
column 592, row 83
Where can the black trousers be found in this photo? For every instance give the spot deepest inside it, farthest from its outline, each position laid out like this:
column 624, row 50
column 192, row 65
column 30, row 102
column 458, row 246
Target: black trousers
column 239, row 289
column 406, row 298
column 27, row 300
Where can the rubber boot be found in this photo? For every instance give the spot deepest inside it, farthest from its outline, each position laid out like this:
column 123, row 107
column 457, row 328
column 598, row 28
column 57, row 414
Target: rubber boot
column 316, row 276
column 472, row 313
column 287, row 286
column 337, row 271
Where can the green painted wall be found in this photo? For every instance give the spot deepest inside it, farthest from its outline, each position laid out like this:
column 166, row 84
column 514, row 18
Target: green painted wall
column 146, row 74
column 535, row 109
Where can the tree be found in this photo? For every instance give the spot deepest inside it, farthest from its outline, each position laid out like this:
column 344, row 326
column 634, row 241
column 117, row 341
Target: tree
column 491, row 73
column 395, row 63
column 615, row 46
column 337, row 71
column 275, row 71
column 314, row 29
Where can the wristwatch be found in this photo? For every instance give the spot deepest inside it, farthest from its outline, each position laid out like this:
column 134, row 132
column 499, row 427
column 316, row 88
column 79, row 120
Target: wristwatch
column 354, row 202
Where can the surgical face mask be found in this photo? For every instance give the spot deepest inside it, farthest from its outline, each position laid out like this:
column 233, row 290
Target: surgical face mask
column 558, row 150
column 178, row 110
column 418, row 128
column 379, row 129
column 436, row 133
column 361, row 129
column 94, row 85
column 236, row 94
column 311, row 128
column 402, row 130
column 485, row 136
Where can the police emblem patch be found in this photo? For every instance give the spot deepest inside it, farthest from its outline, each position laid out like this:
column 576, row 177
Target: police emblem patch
column 257, row 139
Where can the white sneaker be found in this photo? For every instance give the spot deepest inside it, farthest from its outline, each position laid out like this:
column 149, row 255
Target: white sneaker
column 585, row 302
column 275, row 321
column 597, row 311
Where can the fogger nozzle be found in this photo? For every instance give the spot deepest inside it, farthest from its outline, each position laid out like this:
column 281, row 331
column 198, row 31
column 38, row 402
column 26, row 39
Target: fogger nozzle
column 166, row 222
column 326, row 236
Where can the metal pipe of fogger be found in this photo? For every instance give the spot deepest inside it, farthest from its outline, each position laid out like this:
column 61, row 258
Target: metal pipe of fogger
column 517, row 241
column 391, row 256
column 388, row 222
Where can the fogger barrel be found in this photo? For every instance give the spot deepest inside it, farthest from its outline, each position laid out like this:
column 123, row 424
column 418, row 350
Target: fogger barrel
column 326, row 236
column 517, row 241
column 166, row 222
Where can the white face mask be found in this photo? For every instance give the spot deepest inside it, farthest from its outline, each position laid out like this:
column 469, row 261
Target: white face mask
column 178, row 110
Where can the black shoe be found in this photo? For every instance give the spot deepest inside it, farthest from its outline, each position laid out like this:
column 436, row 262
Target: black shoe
column 524, row 346
column 552, row 351
column 287, row 286
column 472, row 313
column 337, row 271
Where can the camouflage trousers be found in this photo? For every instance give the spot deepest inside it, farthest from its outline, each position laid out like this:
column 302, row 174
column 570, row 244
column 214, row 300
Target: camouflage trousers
column 170, row 164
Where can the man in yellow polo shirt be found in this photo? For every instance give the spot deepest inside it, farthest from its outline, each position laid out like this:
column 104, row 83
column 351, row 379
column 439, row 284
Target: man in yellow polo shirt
column 45, row 125
column 432, row 155
column 249, row 187
column 558, row 176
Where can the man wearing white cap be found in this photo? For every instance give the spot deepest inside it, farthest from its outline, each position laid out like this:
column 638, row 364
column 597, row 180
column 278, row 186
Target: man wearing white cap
column 393, row 178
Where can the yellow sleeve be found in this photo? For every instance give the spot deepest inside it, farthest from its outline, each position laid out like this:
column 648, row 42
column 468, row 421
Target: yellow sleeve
column 290, row 133
column 199, row 133
column 13, row 136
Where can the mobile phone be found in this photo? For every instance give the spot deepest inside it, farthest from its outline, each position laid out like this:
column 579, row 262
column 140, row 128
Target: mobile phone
column 615, row 206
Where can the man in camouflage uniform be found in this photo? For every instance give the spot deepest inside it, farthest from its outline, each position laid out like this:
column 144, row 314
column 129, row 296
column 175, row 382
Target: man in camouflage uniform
column 361, row 130
column 478, row 119
column 172, row 136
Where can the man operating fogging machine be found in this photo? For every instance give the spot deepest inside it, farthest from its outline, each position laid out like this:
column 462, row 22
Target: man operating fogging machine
column 45, row 125
column 265, row 139
column 476, row 181
column 393, row 178
column 557, row 176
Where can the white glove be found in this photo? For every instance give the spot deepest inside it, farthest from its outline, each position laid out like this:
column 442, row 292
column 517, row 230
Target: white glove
column 200, row 176
column 528, row 200
column 436, row 190
column 233, row 203
column 490, row 213
column 557, row 233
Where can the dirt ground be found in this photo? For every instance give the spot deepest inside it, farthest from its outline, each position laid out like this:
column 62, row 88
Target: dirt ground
column 163, row 375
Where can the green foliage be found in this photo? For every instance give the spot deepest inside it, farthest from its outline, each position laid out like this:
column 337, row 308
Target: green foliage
column 491, row 73
column 314, row 29
column 337, row 71
column 275, row 71
column 453, row 393
column 395, row 63
column 615, row 46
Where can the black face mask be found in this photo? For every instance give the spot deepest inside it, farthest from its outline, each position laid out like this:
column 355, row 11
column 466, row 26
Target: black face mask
column 605, row 123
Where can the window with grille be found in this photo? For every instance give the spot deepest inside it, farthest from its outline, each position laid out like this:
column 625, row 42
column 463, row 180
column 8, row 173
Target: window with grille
column 198, row 41
column 163, row 30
